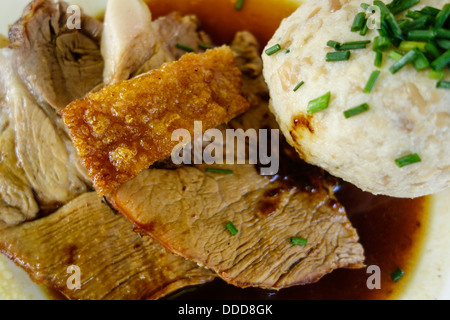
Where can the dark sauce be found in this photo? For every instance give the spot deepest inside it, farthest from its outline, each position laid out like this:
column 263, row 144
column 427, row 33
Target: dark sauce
column 390, row 229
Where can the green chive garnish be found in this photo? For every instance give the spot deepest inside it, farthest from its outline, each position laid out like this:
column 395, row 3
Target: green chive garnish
column 333, row 44
column 443, row 33
column 410, row 45
column 359, row 22
column 432, row 50
column 439, row 75
column 299, row 241
column 421, row 61
column 219, row 171
column 353, row 45
column 319, row 104
column 409, row 57
column 338, row 56
column 399, row 6
column 408, row 160
column 232, row 229
column 298, row 86
column 442, row 16
column 381, row 44
column 443, row 84
column 422, row 35
column 185, row 48
column 441, row 62
column 205, row 46
column 356, row 111
column 274, row 49
column 397, row 275
column 239, row 5
column 444, row 44
column 379, row 59
column 371, row 83
column 394, row 55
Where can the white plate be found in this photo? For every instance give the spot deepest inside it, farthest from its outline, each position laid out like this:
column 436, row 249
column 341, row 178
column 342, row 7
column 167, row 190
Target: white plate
column 429, row 280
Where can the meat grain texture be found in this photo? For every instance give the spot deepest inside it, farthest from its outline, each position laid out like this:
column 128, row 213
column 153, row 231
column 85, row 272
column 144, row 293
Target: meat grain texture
column 114, row 261
column 408, row 113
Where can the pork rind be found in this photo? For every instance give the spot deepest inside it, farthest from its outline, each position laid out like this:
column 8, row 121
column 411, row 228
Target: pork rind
column 124, row 128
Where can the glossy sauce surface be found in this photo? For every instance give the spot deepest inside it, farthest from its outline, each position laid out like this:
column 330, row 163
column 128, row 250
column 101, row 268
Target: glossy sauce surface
column 390, row 229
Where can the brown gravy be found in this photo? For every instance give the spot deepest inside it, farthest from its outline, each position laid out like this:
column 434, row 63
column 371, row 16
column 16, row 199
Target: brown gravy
column 390, row 229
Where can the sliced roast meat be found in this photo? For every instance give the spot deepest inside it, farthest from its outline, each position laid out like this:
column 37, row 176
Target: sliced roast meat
column 176, row 29
column 58, row 63
column 246, row 50
column 17, row 202
column 187, row 211
column 43, row 151
column 114, row 262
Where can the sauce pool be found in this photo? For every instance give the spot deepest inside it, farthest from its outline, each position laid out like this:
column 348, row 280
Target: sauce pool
column 390, row 229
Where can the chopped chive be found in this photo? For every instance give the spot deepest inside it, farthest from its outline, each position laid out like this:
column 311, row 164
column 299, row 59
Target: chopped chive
column 319, row 104
column 205, row 46
column 442, row 16
column 338, row 56
column 353, row 45
column 239, row 5
column 287, row 51
column 416, row 24
column 443, row 84
column 399, row 6
column 430, row 11
column 185, row 48
column 397, row 275
column 232, row 229
column 219, row 171
column 365, row 29
column 379, row 59
column 408, row 160
column 299, row 241
column 422, row 35
column 439, row 75
column 372, row 80
column 432, row 50
column 409, row 57
column 410, row 45
column 356, row 111
column 389, row 18
column 441, row 62
column 443, row 33
column 274, row 49
column 381, row 44
column 359, row 22
column 333, row 44
column 397, row 56
column 421, row 61
column 298, row 86
column 444, row 44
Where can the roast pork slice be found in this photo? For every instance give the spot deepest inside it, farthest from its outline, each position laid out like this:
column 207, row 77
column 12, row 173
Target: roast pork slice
column 58, row 62
column 113, row 261
column 44, row 152
column 17, row 203
column 187, row 211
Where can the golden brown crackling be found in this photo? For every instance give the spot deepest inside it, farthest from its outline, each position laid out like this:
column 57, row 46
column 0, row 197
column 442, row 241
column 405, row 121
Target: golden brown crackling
column 124, row 128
